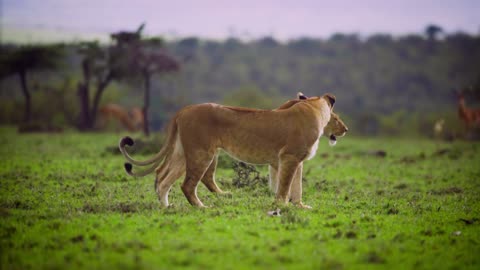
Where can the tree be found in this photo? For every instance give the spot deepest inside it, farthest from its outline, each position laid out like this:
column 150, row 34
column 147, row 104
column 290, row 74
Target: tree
column 144, row 59
column 432, row 32
column 94, row 63
column 149, row 64
column 101, row 66
column 22, row 60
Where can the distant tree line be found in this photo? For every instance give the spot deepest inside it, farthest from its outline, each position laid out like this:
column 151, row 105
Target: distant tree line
column 128, row 57
column 383, row 84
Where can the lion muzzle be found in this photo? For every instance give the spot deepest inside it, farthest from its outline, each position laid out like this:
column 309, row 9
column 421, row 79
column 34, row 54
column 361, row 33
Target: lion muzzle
column 333, row 140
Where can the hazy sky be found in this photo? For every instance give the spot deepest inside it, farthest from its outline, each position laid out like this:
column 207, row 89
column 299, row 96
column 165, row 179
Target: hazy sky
column 242, row 18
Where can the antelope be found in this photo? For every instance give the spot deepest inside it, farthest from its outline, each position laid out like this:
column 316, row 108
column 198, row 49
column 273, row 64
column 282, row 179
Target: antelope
column 471, row 117
column 132, row 120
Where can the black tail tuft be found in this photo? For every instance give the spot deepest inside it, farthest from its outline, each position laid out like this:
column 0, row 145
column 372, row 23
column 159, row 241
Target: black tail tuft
column 128, row 167
column 126, row 141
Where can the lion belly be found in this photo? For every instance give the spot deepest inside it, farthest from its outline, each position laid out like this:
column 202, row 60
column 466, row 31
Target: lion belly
column 249, row 157
column 251, row 151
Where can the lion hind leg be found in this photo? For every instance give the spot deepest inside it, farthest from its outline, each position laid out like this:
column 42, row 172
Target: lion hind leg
column 197, row 164
column 161, row 172
column 273, row 178
column 171, row 169
column 164, row 187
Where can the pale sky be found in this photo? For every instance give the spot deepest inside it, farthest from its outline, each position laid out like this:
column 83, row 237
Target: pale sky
column 244, row 19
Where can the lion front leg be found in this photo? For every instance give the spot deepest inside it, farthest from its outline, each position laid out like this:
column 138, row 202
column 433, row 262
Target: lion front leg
column 287, row 169
column 296, row 189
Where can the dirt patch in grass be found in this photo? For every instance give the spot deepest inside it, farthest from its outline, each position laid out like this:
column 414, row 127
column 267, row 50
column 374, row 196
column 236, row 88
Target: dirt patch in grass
column 470, row 221
column 77, row 239
column 120, row 207
column 401, row 186
column 374, row 258
column 393, row 211
column 36, row 127
column 4, row 212
column 17, row 204
column 413, row 158
column 446, row 191
column 441, row 152
column 351, row 235
column 377, row 153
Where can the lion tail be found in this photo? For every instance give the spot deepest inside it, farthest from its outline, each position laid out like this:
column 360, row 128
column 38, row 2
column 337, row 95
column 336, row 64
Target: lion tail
column 128, row 167
column 156, row 159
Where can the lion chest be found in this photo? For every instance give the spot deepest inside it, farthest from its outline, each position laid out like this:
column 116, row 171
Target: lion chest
column 314, row 148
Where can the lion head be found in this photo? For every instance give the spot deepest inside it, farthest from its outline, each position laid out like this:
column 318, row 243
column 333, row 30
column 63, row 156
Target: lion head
column 335, row 128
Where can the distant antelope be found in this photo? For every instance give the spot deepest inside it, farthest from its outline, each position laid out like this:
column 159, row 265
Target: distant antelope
column 471, row 117
column 438, row 128
column 132, row 120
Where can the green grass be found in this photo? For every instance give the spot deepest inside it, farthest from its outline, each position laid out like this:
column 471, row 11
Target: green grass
column 66, row 203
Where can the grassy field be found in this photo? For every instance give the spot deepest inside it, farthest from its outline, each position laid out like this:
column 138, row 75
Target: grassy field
column 66, row 203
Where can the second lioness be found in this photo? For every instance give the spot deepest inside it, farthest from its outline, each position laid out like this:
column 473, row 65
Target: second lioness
column 282, row 138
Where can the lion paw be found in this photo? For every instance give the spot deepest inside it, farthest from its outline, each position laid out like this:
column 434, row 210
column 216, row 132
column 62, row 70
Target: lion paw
column 303, row 206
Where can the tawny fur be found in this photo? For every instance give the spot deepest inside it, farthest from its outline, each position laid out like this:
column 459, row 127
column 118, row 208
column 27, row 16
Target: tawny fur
column 282, row 138
column 336, row 127
column 471, row 117
column 131, row 120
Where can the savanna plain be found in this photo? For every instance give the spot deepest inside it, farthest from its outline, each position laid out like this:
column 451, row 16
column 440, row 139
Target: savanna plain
column 378, row 203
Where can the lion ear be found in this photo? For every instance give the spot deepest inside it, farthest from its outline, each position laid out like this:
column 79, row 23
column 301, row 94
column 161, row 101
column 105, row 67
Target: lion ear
column 300, row 95
column 330, row 99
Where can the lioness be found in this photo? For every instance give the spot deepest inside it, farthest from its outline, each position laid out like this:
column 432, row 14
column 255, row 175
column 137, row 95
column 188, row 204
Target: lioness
column 282, row 138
